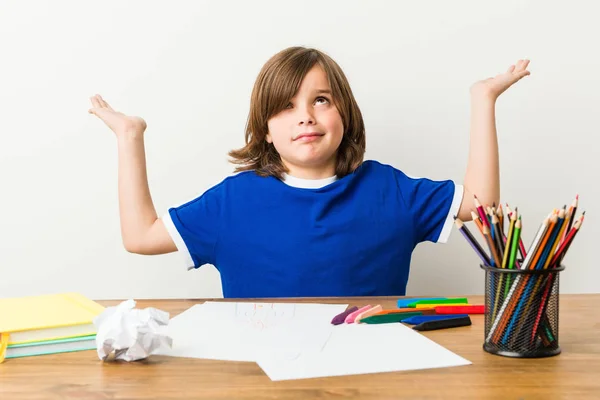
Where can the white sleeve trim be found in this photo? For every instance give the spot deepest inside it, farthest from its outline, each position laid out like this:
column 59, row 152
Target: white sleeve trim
column 454, row 207
column 176, row 236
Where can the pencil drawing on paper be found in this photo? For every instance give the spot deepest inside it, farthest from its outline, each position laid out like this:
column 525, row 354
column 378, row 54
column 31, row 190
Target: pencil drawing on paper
column 264, row 315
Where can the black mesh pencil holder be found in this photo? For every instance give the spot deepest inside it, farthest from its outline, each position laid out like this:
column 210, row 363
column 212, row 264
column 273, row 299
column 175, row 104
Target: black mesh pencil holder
column 521, row 312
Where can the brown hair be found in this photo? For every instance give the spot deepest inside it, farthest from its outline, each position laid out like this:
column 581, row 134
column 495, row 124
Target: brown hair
column 277, row 82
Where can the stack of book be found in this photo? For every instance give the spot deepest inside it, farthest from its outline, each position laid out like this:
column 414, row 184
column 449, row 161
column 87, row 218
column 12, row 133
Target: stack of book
column 47, row 324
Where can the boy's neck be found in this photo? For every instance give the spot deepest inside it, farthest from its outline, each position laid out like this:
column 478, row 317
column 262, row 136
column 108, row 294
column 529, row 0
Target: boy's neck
column 311, row 173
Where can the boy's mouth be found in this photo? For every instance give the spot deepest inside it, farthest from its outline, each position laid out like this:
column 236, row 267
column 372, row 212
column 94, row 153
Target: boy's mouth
column 308, row 135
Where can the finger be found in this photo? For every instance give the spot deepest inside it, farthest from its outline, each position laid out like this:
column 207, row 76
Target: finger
column 511, row 69
column 517, row 67
column 95, row 102
column 521, row 65
column 104, row 103
column 518, row 76
column 101, row 101
column 99, row 112
column 94, row 110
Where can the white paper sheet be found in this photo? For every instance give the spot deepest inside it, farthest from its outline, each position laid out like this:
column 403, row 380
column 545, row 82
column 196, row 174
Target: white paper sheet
column 362, row 349
column 243, row 331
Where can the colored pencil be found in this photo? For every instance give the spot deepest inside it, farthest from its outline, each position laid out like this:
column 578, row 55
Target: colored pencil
column 481, row 212
column 492, row 246
column 572, row 211
column 509, row 236
column 477, row 221
column 474, row 243
column 513, row 253
column 501, row 217
column 521, row 246
column 553, row 241
column 498, row 240
column 566, row 243
column 491, row 213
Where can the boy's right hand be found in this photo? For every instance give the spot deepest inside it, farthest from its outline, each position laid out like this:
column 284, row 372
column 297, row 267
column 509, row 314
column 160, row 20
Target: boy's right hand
column 121, row 124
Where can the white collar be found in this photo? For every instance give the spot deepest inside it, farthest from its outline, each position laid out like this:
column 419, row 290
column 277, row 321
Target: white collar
column 307, row 183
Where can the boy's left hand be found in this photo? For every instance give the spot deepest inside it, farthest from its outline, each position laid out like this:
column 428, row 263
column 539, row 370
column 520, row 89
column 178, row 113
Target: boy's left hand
column 494, row 87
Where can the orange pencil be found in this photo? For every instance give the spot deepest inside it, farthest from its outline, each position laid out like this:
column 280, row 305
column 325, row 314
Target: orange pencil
column 477, row 221
column 540, row 250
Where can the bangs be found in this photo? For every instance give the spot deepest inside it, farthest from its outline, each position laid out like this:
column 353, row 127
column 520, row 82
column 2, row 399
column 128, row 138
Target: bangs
column 284, row 81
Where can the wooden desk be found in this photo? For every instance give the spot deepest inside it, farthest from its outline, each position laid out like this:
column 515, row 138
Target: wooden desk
column 573, row 374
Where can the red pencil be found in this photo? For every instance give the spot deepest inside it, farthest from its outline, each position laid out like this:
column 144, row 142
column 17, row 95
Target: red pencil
column 559, row 255
column 481, row 212
column 572, row 211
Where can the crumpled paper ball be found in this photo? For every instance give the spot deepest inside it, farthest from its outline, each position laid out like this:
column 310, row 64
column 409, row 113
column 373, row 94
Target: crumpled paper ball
column 130, row 333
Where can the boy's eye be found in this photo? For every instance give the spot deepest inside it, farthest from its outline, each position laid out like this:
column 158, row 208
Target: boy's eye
column 321, row 99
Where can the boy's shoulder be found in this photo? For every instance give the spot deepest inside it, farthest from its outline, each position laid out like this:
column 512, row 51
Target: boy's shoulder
column 378, row 167
column 240, row 182
column 239, row 177
column 219, row 189
column 375, row 167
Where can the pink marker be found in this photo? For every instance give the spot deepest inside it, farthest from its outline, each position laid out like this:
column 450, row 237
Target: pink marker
column 350, row 318
column 367, row 313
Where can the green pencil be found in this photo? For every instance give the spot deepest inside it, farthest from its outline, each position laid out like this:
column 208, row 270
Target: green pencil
column 509, row 239
column 515, row 244
column 513, row 253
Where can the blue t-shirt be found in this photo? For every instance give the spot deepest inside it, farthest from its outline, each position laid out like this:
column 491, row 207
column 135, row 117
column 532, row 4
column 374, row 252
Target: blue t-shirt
column 351, row 237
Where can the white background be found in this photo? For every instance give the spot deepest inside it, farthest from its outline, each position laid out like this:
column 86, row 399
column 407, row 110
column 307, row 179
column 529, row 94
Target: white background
column 188, row 68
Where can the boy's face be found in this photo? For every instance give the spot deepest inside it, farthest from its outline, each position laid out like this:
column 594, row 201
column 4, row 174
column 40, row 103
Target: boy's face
column 308, row 133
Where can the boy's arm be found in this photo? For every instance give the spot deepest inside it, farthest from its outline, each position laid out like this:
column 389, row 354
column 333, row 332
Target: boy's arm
column 482, row 178
column 141, row 230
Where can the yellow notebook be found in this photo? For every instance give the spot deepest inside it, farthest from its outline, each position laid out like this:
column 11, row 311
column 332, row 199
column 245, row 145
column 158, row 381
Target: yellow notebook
column 46, row 317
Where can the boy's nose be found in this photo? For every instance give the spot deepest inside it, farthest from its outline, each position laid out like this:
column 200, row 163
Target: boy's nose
column 306, row 118
column 307, row 121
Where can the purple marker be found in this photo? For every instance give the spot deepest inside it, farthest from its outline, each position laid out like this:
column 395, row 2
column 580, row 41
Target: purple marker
column 340, row 318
